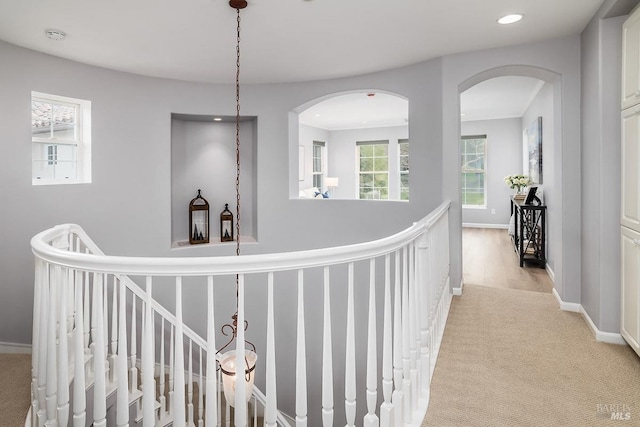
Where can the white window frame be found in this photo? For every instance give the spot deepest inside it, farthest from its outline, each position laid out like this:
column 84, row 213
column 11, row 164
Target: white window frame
column 400, row 171
column 359, row 145
column 483, row 171
column 318, row 175
column 82, row 140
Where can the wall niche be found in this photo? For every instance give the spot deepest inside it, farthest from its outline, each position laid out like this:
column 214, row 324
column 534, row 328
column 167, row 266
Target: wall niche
column 203, row 156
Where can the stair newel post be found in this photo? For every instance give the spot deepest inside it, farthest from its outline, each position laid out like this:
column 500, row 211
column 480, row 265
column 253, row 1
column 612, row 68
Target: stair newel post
column 148, row 387
column 371, row 419
column 51, row 379
column 423, row 285
column 79, row 380
column 397, row 398
column 212, row 384
column 240, row 412
column 327, row 355
column 271, row 409
column 190, row 386
column 178, row 400
column 122, row 402
column 406, row 351
column 386, row 409
column 99, row 388
column 350, row 355
column 63, row 348
column 413, row 351
column 114, row 331
column 161, row 386
column 200, row 390
column 301, row 358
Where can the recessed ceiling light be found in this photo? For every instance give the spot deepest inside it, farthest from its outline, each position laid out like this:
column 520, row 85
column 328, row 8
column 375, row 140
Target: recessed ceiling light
column 55, row 34
column 217, row 119
column 510, row 19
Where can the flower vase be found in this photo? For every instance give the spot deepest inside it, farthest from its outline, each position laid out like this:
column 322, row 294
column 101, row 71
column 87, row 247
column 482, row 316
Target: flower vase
column 519, row 194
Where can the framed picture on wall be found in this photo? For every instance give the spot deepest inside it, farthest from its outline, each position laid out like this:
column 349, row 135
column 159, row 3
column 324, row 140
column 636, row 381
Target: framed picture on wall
column 533, row 135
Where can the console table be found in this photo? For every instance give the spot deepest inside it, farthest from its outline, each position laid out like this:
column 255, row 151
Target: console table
column 529, row 232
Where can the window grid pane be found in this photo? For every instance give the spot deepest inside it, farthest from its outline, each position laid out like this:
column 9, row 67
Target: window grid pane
column 403, row 148
column 374, row 171
column 472, row 160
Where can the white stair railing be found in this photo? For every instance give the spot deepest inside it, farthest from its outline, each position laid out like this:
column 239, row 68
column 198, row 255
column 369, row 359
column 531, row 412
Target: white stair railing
column 91, row 317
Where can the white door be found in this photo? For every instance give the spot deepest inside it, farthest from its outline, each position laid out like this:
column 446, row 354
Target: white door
column 630, row 209
column 631, row 60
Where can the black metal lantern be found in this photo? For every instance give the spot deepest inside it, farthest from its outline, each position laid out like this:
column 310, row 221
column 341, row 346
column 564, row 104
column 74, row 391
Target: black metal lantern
column 198, row 220
column 226, row 225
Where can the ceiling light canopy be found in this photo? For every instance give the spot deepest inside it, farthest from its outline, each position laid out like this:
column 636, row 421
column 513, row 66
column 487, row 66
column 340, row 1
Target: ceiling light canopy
column 510, row 19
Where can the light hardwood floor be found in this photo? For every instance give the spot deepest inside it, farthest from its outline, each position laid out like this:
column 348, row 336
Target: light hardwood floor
column 490, row 260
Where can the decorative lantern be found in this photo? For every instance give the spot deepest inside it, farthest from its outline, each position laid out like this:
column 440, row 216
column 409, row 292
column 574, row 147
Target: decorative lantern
column 228, row 367
column 198, row 220
column 226, row 225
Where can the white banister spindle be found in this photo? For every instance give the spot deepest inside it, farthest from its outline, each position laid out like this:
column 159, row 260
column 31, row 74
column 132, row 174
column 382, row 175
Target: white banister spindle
column 327, row 356
column 212, row 386
column 52, row 370
column 43, row 343
column 190, row 418
column 423, row 269
column 105, row 323
column 79, row 380
column 122, row 396
column 350, row 356
column 406, row 346
column 200, row 390
column 240, row 407
column 413, row 330
column 87, row 309
column 99, row 386
column 397, row 397
column 133, row 370
column 301, row 359
column 371, row 419
column 271, row 409
column 386, row 409
column 35, row 346
column 63, row 349
column 114, row 330
column 161, row 384
column 172, row 363
column 178, row 401
column 148, row 388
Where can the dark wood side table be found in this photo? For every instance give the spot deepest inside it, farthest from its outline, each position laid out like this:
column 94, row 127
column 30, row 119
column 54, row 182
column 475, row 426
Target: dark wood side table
column 529, row 237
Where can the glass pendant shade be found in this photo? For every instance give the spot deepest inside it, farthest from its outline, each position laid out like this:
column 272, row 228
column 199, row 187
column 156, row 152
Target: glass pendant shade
column 228, row 368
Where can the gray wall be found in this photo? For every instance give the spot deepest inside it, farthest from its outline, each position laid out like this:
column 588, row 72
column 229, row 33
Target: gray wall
column 504, row 157
column 601, row 64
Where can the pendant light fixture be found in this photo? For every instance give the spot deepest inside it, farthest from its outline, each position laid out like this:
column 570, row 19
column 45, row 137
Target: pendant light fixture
column 230, row 360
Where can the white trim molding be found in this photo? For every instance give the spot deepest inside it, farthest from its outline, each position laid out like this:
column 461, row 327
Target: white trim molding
column 601, row 336
column 458, row 291
column 11, row 347
column 476, row 225
column 550, row 272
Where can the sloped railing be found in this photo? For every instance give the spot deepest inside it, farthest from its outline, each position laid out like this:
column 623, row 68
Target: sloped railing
column 91, row 317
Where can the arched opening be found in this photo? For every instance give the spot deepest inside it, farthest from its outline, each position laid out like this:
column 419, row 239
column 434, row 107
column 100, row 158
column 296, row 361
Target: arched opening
column 350, row 145
column 506, row 152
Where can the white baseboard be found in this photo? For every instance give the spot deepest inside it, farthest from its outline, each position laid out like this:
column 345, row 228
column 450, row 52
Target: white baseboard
column 476, row 225
column 458, row 291
column 608, row 337
column 9, row 347
column 550, row 272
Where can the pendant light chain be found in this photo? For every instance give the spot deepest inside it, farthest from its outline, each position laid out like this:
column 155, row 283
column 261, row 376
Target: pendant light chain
column 238, row 137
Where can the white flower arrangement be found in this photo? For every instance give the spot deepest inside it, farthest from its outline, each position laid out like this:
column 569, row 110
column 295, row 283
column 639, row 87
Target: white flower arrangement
column 517, row 181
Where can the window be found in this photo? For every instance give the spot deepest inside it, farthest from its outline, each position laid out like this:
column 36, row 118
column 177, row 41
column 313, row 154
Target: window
column 403, row 155
column 318, row 164
column 473, row 163
column 373, row 182
column 60, row 139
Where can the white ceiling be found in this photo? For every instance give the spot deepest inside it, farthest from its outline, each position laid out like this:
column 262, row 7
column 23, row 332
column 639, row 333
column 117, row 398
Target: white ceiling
column 282, row 40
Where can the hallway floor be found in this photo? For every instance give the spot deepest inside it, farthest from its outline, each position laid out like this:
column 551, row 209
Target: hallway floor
column 490, row 260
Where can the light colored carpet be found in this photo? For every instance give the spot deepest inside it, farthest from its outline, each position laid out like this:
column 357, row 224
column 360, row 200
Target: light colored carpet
column 513, row 358
column 15, row 394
